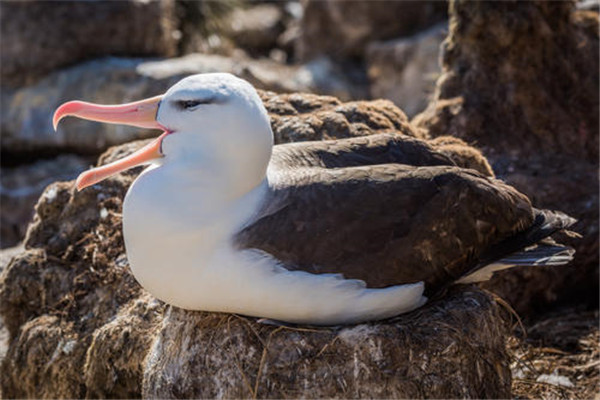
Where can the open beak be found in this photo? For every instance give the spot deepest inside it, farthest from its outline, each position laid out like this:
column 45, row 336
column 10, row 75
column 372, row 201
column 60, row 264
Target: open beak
column 140, row 113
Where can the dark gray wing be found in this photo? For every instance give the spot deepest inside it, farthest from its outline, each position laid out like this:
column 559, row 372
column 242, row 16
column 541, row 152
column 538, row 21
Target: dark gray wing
column 385, row 148
column 386, row 224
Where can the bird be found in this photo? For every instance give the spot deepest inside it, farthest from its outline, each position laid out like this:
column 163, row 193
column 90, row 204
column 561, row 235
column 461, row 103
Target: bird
column 323, row 233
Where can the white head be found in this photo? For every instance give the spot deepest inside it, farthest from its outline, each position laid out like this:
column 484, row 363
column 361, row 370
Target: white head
column 212, row 122
column 218, row 122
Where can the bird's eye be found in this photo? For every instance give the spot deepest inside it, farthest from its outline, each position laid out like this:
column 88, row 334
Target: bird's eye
column 191, row 104
column 187, row 104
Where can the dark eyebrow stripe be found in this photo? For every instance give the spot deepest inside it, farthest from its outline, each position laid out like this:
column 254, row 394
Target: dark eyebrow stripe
column 182, row 103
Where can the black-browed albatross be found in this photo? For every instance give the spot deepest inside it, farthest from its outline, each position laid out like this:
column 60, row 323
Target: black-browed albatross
column 326, row 232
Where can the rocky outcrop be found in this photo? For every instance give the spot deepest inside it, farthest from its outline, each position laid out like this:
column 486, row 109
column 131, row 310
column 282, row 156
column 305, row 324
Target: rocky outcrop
column 405, row 70
column 20, row 188
column 81, row 326
column 5, row 256
column 521, row 80
column 492, row 93
column 39, row 37
column 26, row 124
column 342, row 29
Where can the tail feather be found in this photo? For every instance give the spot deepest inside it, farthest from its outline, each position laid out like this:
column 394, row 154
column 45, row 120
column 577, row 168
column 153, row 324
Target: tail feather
column 541, row 255
column 528, row 248
column 535, row 255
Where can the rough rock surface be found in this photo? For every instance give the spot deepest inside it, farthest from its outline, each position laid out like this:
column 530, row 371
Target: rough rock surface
column 26, row 125
column 20, row 188
column 33, row 43
column 342, row 29
column 405, row 70
column 81, row 326
column 257, row 28
column 5, row 256
column 492, row 93
column 521, row 80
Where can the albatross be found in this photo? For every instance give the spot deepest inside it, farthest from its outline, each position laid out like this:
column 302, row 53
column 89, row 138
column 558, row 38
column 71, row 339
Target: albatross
column 324, row 233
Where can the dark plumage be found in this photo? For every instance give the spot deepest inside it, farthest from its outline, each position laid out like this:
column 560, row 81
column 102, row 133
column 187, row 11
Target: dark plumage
column 414, row 215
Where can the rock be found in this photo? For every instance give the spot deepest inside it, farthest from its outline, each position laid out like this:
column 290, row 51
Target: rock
column 304, row 117
column 491, row 93
column 27, row 112
column 405, row 70
column 81, row 326
column 202, row 25
column 257, row 28
column 39, row 37
column 5, row 256
column 21, row 186
column 521, row 80
column 342, row 29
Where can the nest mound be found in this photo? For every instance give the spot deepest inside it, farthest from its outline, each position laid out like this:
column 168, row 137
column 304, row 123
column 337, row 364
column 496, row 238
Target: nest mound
column 81, row 326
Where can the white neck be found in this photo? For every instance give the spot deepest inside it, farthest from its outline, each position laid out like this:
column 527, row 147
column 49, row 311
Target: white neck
column 175, row 221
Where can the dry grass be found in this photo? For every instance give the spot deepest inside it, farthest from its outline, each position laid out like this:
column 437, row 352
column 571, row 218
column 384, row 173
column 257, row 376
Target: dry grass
column 559, row 358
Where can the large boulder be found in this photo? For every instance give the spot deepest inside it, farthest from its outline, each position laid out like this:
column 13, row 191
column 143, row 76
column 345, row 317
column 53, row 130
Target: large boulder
column 81, row 326
column 405, row 70
column 521, row 80
column 40, row 36
column 342, row 29
column 26, row 123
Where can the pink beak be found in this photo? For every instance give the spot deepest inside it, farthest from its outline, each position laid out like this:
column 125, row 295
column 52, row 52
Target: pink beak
column 140, row 113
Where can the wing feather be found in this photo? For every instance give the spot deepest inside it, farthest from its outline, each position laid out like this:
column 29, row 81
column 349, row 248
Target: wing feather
column 385, row 224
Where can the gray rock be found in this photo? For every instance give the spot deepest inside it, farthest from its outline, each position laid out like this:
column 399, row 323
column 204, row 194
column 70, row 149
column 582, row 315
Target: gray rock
column 21, row 186
column 41, row 36
column 256, row 29
column 342, row 29
column 26, row 123
column 5, row 256
column 405, row 70
column 319, row 76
